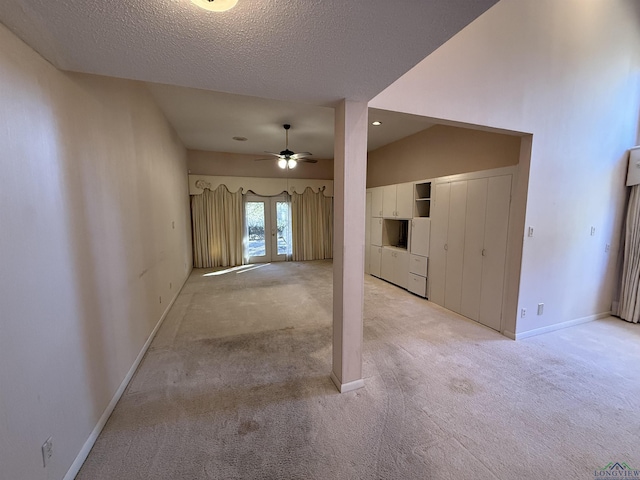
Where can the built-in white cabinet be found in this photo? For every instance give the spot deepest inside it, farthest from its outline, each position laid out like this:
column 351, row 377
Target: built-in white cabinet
column 418, row 265
column 422, row 199
column 394, row 266
column 397, row 201
column 419, row 248
column 376, row 231
column 417, row 280
column 420, row 236
column 376, row 201
column 469, row 225
column 417, row 284
column 375, row 257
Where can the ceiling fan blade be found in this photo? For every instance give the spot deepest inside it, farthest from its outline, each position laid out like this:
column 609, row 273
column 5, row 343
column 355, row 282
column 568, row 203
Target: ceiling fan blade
column 273, row 153
column 263, row 159
column 300, row 155
column 307, row 160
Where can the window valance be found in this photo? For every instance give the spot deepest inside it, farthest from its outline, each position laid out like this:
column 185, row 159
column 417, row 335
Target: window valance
column 259, row 186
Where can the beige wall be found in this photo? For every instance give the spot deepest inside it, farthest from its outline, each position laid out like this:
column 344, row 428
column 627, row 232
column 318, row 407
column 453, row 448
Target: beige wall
column 568, row 73
column 438, row 151
column 239, row 165
column 94, row 227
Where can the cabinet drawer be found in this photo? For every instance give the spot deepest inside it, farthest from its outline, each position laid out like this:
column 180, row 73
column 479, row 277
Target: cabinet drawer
column 418, row 265
column 417, row 285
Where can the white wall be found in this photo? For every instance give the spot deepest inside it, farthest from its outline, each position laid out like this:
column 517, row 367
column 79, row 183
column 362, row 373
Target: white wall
column 92, row 183
column 568, row 73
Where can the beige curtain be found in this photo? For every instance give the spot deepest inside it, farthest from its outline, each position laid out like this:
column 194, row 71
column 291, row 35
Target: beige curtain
column 629, row 308
column 216, row 218
column 312, row 225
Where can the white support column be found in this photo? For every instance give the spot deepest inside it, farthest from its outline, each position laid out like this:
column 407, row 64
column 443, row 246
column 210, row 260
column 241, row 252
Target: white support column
column 350, row 174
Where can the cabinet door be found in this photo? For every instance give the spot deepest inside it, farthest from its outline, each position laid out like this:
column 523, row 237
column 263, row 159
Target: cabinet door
column 495, row 246
column 455, row 246
column 376, row 201
column 473, row 247
column 437, row 250
column 389, row 201
column 418, row 265
column 404, row 200
column 376, row 231
column 375, row 254
column 401, row 269
column 387, row 265
column 420, row 232
column 417, row 284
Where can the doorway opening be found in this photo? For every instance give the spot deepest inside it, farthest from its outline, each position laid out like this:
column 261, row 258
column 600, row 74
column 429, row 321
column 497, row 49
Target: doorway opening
column 267, row 228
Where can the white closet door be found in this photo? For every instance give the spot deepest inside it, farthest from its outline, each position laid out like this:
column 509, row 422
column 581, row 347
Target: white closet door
column 404, row 200
column 495, row 245
column 389, row 201
column 437, row 251
column 376, row 231
column 455, row 244
column 420, row 232
column 375, row 258
column 401, row 269
column 473, row 246
column 388, row 265
column 376, row 201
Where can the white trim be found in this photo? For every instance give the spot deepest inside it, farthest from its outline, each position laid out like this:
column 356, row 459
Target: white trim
column 345, row 387
column 557, row 326
column 75, row 467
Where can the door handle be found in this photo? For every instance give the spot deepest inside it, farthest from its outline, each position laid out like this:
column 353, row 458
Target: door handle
column 446, row 247
column 483, row 251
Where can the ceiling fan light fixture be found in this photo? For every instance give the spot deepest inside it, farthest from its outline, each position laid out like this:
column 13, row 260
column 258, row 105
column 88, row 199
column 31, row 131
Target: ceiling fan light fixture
column 215, row 5
column 282, row 163
column 291, row 163
column 376, row 123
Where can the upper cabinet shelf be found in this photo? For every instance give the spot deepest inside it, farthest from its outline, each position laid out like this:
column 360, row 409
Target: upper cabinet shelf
column 422, row 199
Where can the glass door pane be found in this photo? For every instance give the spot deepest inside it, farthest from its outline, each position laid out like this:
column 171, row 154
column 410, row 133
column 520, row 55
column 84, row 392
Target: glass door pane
column 283, row 227
column 256, row 231
column 267, row 228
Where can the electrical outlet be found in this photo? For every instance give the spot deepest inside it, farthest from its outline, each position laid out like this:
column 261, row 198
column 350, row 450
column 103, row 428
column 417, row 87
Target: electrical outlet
column 160, row 299
column 540, row 308
column 530, row 233
column 607, row 247
column 593, row 231
column 523, row 312
column 47, row 451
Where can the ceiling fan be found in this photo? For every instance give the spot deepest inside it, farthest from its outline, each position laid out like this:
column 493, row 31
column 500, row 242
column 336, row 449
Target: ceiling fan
column 286, row 158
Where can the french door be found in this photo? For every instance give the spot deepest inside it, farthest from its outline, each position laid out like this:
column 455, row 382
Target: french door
column 267, row 228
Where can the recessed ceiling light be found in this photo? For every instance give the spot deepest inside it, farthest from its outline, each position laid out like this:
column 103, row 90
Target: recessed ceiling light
column 376, row 123
column 240, row 139
column 216, row 5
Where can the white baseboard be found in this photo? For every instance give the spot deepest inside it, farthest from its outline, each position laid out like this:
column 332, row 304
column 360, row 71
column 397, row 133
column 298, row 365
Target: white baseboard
column 557, row 326
column 346, row 387
column 88, row 445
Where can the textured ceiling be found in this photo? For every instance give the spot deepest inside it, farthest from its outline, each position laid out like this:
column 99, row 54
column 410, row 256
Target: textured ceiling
column 311, row 51
column 279, row 62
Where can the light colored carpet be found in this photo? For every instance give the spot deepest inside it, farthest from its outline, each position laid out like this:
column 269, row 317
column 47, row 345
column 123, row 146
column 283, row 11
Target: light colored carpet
column 236, row 386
